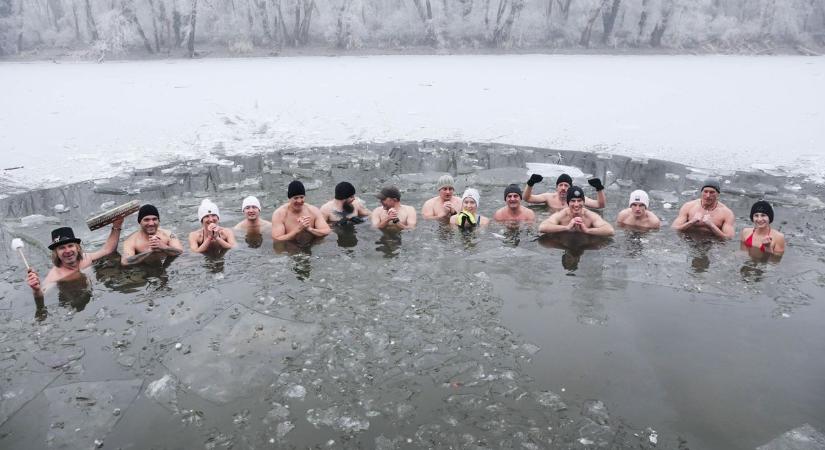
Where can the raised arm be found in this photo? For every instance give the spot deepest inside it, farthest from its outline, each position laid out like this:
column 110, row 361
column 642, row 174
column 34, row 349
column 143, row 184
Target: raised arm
column 601, row 198
column 111, row 242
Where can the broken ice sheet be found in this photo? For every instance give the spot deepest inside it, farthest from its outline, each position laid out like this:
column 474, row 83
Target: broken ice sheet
column 18, row 387
column 804, row 437
column 81, row 413
column 164, row 391
column 247, row 359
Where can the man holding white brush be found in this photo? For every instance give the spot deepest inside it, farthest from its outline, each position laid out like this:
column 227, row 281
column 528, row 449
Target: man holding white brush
column 69, row 258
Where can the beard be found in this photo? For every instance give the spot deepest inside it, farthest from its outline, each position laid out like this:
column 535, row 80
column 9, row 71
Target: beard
column 348, row 207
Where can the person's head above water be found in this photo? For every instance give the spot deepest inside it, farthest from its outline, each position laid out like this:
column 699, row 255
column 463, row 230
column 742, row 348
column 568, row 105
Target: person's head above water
column 147, row 210
column 445, row 186
column 639, row 196
column 206, row 209
column 512, row 189
column 295, row 188
column 344, row 190
column 762, row 207
column 573, row 193
column 470, row 193
column 712, row 183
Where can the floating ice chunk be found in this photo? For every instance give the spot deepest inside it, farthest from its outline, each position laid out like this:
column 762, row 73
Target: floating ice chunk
column 667, row 206
column 595, row 410
column 553, row 170
column 37, row 220
column 84, row 411
column 283, row 428
column 164, row 391
column 804, row 437
column 551, row 400
column 61, row 208
column 296, row 391
column 672, row 176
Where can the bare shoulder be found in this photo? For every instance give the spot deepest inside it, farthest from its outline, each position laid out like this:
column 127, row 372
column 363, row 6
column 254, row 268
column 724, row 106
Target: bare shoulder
column 499, row 214
column 622, row 216
column 279, row 212
column 326, row 206
column 409, row 209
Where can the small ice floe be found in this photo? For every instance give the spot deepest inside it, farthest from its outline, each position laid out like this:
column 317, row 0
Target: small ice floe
column 804, row 437
column 667, row 206
column 296, row 391
column 60, row 208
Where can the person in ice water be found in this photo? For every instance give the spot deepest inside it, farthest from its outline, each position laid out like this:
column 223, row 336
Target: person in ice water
column 706, row 214
column 513, row 210
column 636, row 215
column 297, row 220
column 345, row 207
column 762, row 237
column 68, row 259
column 252, row 222
column 211, row 236
column 469, row 217
column 557, row 200
column 392, row 214
column 576, row 218
column 445, row 204
column 151, row 242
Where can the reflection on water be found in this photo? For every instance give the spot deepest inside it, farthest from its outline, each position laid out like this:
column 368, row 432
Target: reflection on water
column 574, row 245
column 253, row 239
column 462, row 340
column 389, row 243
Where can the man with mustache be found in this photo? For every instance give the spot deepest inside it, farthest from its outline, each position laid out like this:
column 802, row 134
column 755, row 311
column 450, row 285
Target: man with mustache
column 345, row 207
column 557, row 200
column 69, row 258
column 150, row 242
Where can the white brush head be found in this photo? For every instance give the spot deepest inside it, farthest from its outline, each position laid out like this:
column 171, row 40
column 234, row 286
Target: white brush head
column 17, row 244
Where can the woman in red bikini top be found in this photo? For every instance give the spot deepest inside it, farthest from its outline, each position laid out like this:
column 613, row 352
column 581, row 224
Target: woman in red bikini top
column 768, row 239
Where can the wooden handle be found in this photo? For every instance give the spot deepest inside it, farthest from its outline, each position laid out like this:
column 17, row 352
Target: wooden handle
column 20, row 250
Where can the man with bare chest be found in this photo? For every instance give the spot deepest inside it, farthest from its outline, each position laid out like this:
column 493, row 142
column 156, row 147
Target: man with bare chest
column 297, row 220
column 558, row 200
column 211, row 237
column 150, row 243
column 706, row 214
column 576, row 218
column 69, row 260
column 445, row 204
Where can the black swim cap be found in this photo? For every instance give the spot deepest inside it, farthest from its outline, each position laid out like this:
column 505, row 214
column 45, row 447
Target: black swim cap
column 564, row 178
column 762, row 207
column 512, row 189
column 295, row 188
column 147, row 210
column 575, row 192
column 344, row 190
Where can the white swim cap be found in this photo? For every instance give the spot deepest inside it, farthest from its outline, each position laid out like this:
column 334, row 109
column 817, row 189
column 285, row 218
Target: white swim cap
column 472, row 193
column 206, row 208
column 639, row 196
column 250, row 201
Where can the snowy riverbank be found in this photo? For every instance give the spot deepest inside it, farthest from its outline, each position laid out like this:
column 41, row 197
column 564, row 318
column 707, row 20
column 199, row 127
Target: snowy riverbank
column 73, row 121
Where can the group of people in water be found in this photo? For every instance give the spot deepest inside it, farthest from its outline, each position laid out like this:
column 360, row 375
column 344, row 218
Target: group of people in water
column 299, row 221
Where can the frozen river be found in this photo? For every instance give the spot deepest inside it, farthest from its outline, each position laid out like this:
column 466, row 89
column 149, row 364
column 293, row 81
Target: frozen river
column 69, row 121
column 424, row 339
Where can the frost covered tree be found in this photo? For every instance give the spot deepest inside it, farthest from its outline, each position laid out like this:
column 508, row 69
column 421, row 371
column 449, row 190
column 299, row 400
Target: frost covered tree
column 131, row 27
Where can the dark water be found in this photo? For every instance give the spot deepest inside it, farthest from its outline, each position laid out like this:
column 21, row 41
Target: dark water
column 431, row 338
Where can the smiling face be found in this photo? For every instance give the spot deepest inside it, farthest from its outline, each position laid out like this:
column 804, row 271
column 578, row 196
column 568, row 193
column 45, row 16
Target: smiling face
column 149, row 224
column 251, row 212
column 296, row 202
column 210, row 219
column 576, row 206
column 469, row 205
column 761, row 220
column 66, row 255
column 513, row 200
